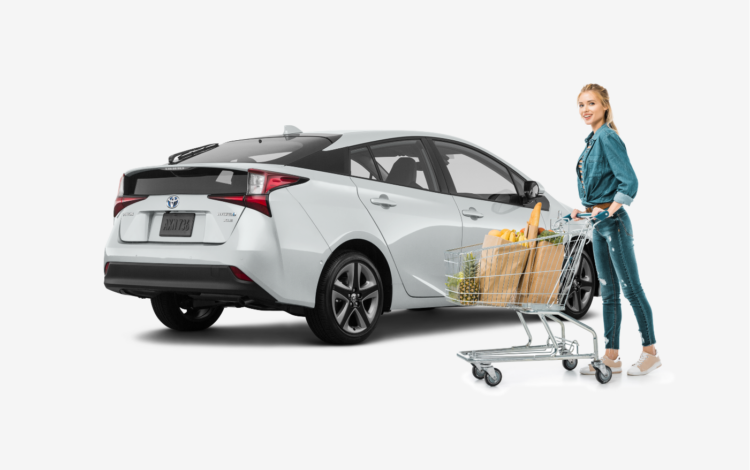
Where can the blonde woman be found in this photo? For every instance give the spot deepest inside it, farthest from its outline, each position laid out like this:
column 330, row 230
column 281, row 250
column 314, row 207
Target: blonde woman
column 607, row 182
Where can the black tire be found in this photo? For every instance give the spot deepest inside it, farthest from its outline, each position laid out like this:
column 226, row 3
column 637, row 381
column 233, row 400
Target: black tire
column 336, row 318
column 478, row 373
column 602, row 378
column 583, row 289
column 488, row 379
column 171, row 311
column 570, row 364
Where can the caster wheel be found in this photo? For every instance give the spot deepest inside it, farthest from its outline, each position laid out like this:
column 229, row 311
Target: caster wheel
column 492, row 383
column 570, row 365
column 477, row 372
column 604, row 378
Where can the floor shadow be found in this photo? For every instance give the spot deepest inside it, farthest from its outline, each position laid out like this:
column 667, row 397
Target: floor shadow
column 281, row 334
column 400, row 324
column 392, row 326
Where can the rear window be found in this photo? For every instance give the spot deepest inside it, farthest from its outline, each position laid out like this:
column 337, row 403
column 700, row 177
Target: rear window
column 187, row 181
column 276, row 150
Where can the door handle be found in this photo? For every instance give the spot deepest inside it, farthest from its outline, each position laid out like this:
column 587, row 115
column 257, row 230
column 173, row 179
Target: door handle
column 472, row 213
column 383, row 200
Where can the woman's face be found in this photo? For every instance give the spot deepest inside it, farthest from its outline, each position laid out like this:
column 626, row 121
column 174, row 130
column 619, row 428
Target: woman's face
column 591, row 108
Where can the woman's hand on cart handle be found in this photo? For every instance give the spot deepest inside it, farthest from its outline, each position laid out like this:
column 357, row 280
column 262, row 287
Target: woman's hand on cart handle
column 574, row 215
column 611, row 210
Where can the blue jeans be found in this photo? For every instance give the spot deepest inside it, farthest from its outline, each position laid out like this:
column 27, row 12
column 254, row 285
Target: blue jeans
column 616, row 266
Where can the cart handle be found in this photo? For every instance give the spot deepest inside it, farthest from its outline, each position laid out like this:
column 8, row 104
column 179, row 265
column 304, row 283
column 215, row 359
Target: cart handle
column 600, row 216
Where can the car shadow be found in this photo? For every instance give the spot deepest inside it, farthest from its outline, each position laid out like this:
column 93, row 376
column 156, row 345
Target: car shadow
column 405, row 323
column 278, row 334
column 392, row 326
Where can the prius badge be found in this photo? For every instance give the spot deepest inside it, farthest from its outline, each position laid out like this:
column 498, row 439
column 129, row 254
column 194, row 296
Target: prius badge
column 173, row 201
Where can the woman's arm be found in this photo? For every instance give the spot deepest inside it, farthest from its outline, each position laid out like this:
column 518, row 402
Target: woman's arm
column 612, row 209
column 617, row 157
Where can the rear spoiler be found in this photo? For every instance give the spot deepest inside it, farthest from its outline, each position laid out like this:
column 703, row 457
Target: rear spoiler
column 185, row 154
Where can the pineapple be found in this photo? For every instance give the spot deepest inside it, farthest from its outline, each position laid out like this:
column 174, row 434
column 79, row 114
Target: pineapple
column 468, row 288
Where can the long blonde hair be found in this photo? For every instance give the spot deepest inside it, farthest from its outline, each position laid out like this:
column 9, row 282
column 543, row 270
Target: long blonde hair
column 604, row 97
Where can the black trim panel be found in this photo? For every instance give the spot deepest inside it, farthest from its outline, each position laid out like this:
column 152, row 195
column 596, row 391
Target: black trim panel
column 152, row 278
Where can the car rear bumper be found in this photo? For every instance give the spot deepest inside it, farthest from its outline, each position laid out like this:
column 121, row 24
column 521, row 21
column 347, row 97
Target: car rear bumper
column 206, row 282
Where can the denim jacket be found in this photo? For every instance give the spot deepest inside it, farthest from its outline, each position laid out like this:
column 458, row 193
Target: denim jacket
column 607, row 173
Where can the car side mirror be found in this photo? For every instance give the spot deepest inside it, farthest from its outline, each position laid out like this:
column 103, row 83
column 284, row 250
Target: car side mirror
column 531, row 191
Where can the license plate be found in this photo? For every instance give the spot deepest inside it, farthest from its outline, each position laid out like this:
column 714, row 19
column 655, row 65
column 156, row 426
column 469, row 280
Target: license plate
column 177, row 225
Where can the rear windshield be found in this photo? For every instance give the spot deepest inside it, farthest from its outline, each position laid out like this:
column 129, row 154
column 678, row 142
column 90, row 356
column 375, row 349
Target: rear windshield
column 187, row 181
column 276, row 150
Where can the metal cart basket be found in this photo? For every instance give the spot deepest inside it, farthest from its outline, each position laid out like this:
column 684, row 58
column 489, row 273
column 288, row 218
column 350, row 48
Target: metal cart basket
column 531, row 277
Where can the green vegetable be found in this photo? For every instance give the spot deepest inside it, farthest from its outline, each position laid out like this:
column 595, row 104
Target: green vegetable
column 452, row 285
column 548, row 233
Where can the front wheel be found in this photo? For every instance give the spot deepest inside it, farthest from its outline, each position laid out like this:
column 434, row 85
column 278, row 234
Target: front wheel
column 582, row 291
column 175, row 312
column 492, row 382
column 605, row 377
column 349, row 300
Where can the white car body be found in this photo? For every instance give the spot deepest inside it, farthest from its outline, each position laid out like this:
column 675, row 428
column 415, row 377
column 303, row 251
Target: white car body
column 285, row 254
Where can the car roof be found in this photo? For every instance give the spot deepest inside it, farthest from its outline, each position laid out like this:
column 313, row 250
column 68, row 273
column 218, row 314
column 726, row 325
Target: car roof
column 351, row 138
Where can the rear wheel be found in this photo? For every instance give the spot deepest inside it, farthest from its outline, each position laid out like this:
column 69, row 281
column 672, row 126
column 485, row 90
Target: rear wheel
column 582, row 291
column 174, row 312
column 349, row 300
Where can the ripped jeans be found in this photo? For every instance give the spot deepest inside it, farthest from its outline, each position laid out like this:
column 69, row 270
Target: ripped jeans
column 616, row 267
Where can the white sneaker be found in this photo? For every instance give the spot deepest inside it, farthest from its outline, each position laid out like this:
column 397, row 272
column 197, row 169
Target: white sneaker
column 646, row 363
column 615, row 365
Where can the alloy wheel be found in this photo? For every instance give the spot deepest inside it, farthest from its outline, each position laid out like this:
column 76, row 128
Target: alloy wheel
column 355, row 297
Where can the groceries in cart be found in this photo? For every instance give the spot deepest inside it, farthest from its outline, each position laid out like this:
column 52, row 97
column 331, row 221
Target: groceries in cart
column 512, row 267
column 530, row 271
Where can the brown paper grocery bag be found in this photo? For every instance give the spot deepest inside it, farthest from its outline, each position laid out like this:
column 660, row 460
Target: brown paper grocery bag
column 500, row 269
column 531, row 232
column 544, row 282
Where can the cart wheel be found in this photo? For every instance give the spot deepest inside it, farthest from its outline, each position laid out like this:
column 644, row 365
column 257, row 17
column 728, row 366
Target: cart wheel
column 477, row 372
column 570, row 364
column 604, row 378
column 490, row 382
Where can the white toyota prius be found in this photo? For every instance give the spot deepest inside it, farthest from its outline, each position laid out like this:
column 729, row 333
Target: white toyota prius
column 338, row 227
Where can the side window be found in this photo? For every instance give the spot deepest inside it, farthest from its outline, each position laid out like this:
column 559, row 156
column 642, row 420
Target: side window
column 362, row 164
column 357, row 163
column 404, row 163
column 475, row 174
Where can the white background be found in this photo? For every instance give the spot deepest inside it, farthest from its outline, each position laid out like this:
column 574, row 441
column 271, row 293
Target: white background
column 91, row 379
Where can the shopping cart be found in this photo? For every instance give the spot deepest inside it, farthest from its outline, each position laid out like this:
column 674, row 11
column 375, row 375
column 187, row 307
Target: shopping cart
column 506, row 287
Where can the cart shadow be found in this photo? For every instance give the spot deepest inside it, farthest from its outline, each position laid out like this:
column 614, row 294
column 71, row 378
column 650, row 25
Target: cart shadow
column 394, row 325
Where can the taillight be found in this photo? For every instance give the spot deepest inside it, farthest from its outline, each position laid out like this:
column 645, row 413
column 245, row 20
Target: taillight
column 260, row 184
column 106, row 267
column 123, row 202
column 263, row 182
column 239, row 274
